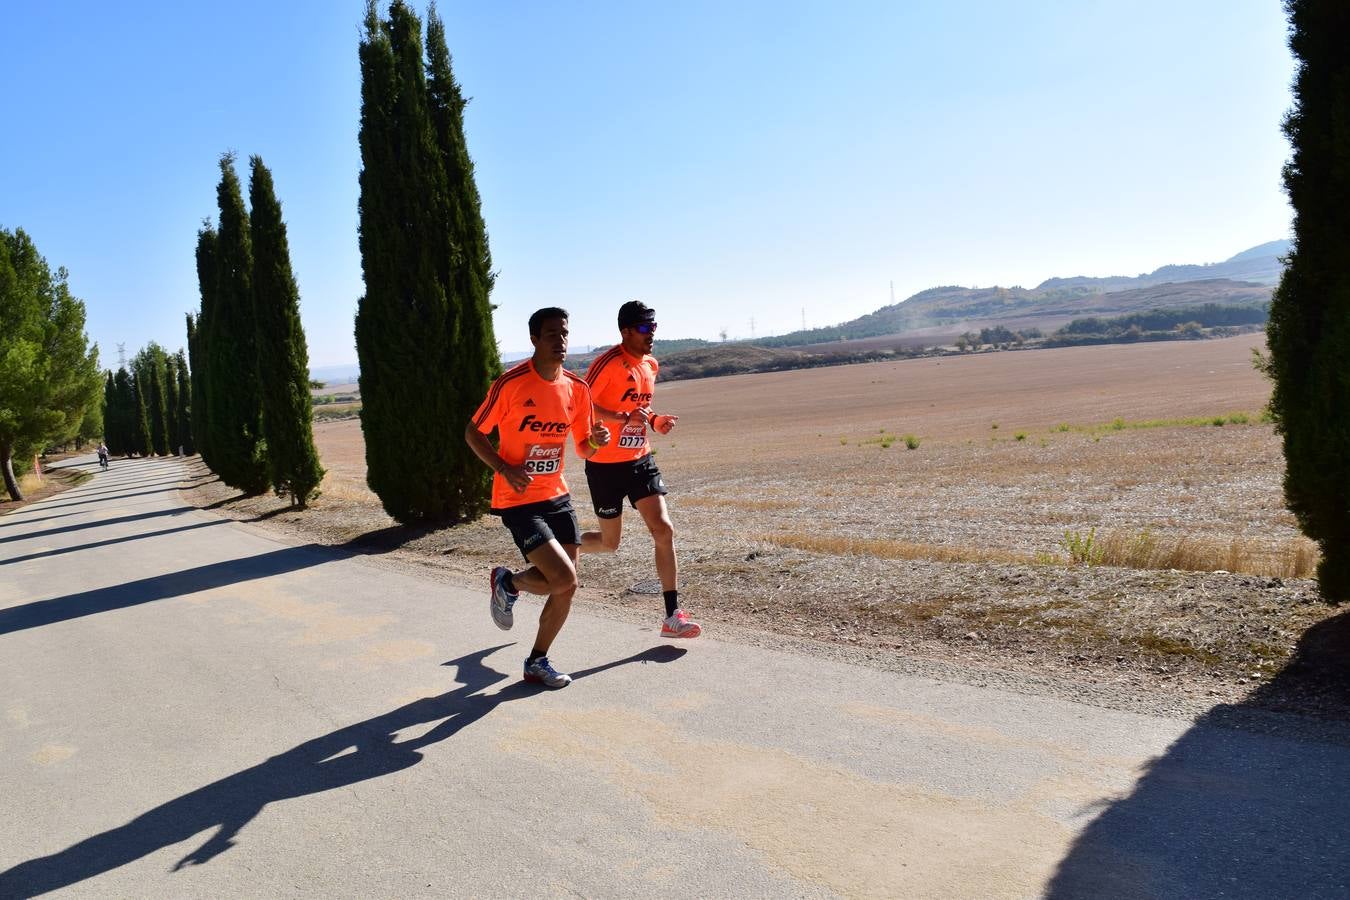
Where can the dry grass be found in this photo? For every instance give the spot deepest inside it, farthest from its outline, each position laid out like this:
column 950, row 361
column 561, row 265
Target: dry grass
column 891, row 549
column 1294, row 557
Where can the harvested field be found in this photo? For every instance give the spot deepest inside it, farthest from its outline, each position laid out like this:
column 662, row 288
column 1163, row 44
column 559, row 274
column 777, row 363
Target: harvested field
column 801, row 512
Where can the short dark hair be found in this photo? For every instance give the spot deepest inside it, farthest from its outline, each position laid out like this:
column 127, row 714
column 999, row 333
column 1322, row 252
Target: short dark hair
column 548, row 312
column 635, row 312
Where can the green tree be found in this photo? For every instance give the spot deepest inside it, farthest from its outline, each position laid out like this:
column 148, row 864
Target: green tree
column 92, row 425
column 1309, row 329
column 198, row 330
column 185, row 393
column 283, row 358
column 197, row 361
column 121, row 414
column 233, row 394
column 470, row 355
column 141, row 441
column 152, row 376
column 110, row 412
column 423, row 328
column 49, row 372
column 171, row 401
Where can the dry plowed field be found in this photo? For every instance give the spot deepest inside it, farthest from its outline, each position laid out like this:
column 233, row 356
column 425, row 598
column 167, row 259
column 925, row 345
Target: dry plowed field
column 1074, row 512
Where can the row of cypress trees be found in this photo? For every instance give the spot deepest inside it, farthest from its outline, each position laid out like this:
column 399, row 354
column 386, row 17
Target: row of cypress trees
column 250, row 364
column 1309, row 329
column 148, row 410
column 424, row 336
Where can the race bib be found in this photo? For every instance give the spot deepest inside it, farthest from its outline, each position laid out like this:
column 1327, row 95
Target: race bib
column 543, row 459
column 633, row 437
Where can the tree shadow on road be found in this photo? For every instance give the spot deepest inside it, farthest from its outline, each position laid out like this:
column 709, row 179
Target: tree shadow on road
column 317, row 765
column 1237, row 807
column 190, row 581
column 43, row 554
column 161, row 587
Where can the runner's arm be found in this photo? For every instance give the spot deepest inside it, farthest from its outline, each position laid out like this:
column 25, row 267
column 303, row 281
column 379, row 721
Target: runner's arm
column 483, row 449
column 609, row 415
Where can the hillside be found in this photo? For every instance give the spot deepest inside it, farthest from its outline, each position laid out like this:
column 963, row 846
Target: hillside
column 939, row 313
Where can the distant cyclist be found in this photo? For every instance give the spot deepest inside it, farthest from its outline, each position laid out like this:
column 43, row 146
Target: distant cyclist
column 102, row 455
column 622, row 381
column 534, row 406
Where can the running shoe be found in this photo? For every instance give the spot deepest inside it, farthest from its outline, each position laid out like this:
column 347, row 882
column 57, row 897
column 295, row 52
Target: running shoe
column 541, row 671
column 502, row 600
column 679, row 626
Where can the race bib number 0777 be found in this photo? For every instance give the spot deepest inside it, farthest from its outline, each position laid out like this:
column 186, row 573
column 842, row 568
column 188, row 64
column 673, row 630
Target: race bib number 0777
column 633, row 437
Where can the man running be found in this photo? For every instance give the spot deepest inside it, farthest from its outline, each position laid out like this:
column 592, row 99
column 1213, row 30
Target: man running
column 622, row 380
column 533, row 406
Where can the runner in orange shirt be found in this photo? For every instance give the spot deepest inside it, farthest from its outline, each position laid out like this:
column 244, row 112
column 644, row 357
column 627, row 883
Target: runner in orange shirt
column 534, row 406
column 622, row 380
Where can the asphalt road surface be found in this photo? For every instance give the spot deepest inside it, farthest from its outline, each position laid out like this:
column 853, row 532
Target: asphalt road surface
column 191, row 709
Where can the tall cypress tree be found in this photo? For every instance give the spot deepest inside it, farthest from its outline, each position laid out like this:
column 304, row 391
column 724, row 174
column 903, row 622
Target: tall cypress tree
column 234, row 396
column 283, row 358
column 123, row 440
column 185, row 439
column 110, row 413
column 141, row 441
column 171, row 402
column 197, row 357
column 470, row 355
column 1309, row 329
column 410, row 323
column 151, row 368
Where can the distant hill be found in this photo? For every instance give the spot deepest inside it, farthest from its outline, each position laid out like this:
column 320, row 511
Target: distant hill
column 941, row 312
column 1260, row 264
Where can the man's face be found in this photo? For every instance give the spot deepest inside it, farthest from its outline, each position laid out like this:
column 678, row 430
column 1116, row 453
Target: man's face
column 638, row 339
column 551, row 342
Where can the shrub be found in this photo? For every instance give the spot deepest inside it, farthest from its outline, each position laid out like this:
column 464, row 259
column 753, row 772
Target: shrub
column 1083, row 548
column 911, row 442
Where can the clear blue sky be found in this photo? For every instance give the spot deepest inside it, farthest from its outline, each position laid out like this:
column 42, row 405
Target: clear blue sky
column 721, row 161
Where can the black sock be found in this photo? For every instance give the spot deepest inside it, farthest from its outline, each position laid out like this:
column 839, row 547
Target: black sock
column 509, row 583
column 535, row 654
column 672, row 602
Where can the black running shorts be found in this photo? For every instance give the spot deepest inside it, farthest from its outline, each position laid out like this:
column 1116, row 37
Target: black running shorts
column 535, row 524
column 611, row 482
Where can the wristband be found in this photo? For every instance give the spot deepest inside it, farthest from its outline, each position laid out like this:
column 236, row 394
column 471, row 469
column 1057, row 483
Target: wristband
column 590, row 440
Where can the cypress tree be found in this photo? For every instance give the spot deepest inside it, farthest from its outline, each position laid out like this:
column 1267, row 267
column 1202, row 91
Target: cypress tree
column 1309, row 328
column 141, row 442
column 110, row 411
column 470, row 349
column 283, row 358
column 411, row 322
column 185, row 438
column 122, row 439
column 152, row 368
column 234, row 397
column 171, row 402
column 197, row 357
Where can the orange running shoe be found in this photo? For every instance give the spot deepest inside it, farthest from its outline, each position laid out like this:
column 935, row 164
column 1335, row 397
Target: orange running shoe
column 679, row 626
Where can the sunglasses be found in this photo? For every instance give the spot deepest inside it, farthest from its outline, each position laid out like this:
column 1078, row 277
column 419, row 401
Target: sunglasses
column 645, row 327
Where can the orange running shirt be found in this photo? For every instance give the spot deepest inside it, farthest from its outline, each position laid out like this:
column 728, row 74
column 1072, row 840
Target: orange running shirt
column 622, row 382
column 532, row 417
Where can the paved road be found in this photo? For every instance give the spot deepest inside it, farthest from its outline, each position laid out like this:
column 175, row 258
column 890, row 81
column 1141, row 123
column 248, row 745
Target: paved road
column 188, row 709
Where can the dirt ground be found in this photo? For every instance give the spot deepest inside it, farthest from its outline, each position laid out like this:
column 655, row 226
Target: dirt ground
column 803, row 517
column 39, row 487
